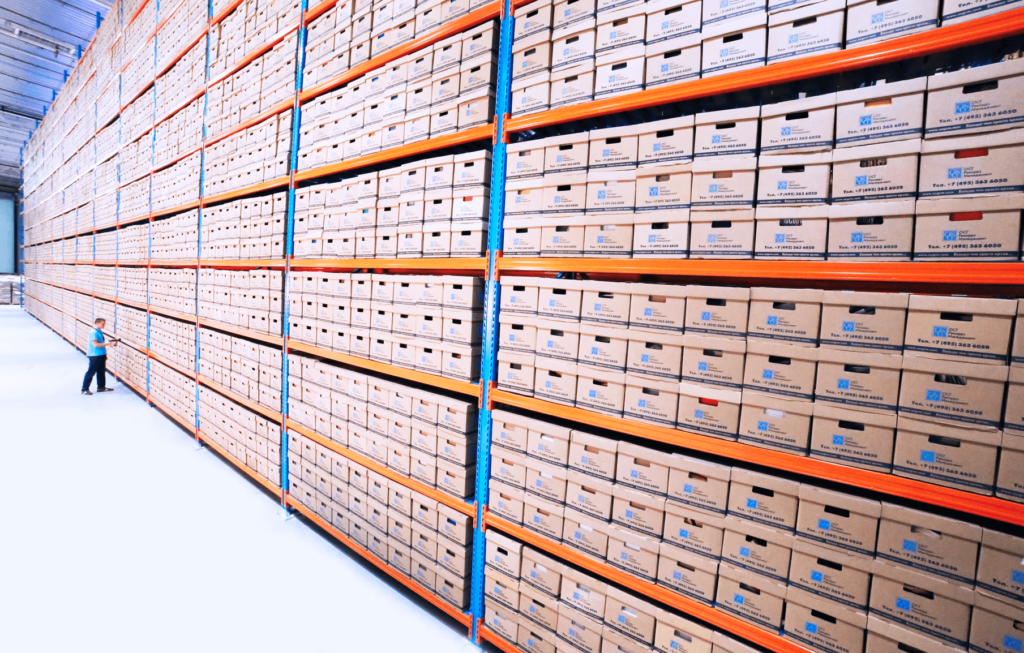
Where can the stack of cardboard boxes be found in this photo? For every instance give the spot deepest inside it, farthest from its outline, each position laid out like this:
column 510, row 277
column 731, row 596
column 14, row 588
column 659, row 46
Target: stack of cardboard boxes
column 175, row 238
column 745, row 364
column 177, row 184
column 173, row 340
column 423, row 435
column 105, row 246
column 189, row 18
column 181, row 133
column 129, row 243
column 429, row 93
column 133, row 284
column 105, row 210
column 130, row 325
column 184, row 79
column 826, row 567
column 129, row 364
column 436, row 207
column 175, row 392
column 416, row 535
column 837, row 175
column 253, row 228
column 250, row 299
column 249, row 438
column 134, row 200
column 251, row 369
column 431, row 324
column 247, row 28
column 172, row 289
column 250, row 157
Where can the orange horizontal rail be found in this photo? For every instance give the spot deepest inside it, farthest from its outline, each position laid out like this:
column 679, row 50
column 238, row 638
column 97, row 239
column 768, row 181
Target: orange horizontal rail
column 191, row 428
column 245, row 333
column 979, row 30
column 409, row 583
column 894, row 272
column 283, row 106
column 769, row 640
column 434, row 380
column 246, row 264
column 248, row 190
column 198, row 93
column 172, row 314
column 936, row 495
column 170, row 13
column 239, row 399
column 195, row 204
column 319, row 10
column 464, row 507
column 497, row 640
column 257, row 52
column 178, row 159
column 461, row 264
column 127, row 302
column 131, row 221
column 237, row 463
column 421, row 147
column 182, row 52
column 174, row 366
column 157, row 263
column 223, row 13
column 457, row 26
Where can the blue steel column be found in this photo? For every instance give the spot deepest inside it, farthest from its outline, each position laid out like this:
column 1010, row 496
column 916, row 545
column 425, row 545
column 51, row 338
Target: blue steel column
column 202, row 188
column 293, row 162
column 488, row 357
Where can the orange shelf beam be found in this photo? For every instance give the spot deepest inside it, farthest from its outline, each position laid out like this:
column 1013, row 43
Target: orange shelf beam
column 191, row 428
column 319, row 10
column 177, row 209
column 245, row 333
column 159, row 310
column 283, row 106
column 174, row 366
column 730, row 624
column 455, row 503
column 409, row 583
column 248, row 190
column 468, row 264
column 457, row 26
column 497, row 640
column 979, row 30
column 234, row 461
column 936, row 495
column 137, row 305
column 239, row 399
column 393, row 370
column 421, row 147
column 223, row 13
column 895, row 272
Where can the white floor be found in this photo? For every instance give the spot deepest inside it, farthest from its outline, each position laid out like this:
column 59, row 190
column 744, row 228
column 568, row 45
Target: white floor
column 121, row 536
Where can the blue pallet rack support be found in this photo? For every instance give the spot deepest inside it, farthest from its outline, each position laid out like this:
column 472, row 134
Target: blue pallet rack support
column 293, row 163
column 202, row 192
column 488, row 357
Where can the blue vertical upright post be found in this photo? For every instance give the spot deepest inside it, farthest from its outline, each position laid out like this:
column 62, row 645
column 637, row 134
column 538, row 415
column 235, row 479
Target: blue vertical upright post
column 202, row 191
column 488, row 356
column 293, row 162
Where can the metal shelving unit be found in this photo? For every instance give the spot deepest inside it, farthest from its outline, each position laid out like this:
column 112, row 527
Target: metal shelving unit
column 493, row 266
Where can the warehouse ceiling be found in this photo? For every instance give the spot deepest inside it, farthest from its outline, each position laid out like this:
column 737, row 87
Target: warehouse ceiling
column 40, row 41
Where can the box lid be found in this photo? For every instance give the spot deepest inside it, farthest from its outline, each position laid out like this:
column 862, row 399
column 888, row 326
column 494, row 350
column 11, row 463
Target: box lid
column 719, row 292
column 806, row 11
column 722, row 164
column 575, row 69
column 742, row 23
column 928, row 582
column 661, row 337
column 638, row 51
column 806, row 295
column 871, row 209
column 975, row 305
column 801, row 104
column 786, row 350
column 806, row 159
column 895, row 148
column 857, row 357
column 911, row 638
column 955, row 527
column 774, row 483
column 773, row 402
column 857, row 298
column 769, row 533
column 845, row 558
column 834, row 609
column 882, row 90
column 728, row 115
column 698, row 341
column 674, row 43
column 658, row 290
column 971, row 75
column 763, row 583
column 868, row 507
column 992, row 139
column 615, row 132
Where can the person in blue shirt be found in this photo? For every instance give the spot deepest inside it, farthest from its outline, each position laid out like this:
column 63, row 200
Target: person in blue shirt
column 97, row 353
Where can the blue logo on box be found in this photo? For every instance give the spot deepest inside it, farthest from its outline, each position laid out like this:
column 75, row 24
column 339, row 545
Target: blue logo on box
column 688, row 488
column 824, row 524
column 865, row 121
column 928, row 456
column 606, row 152
column 674, row 645
column 933, row 395
column 1017, row 576
column 745, row 552
column 634, row 474
column 738, row 598
column 857, row 237
column 955, row 173
column 645, row 358
column 602, row 194
column 860, row 180
column 902, row 604
column 648, row 312
column 600, row 240
column 940, row 332
column 782, row 185
column 712, row 238
column 877, row 18
column 717, row 138
column 849, row 327
column 642, row 403
column 594, row 351
column 838, row 440
column 702, row 366
column 768, row 374
column 685, row 534
column 962, row 107
column 910, row 546
column 593, row 394
column 664, row 67
column 811, row 628
column 844, row 384
column 712, row 188
column 780, row 238
column 817, row 576
column 698, row 414
column 949, row 235
column 762, row 426
column 705, row 315
column 724, row 52
column 651, row 238
column 1011, row 643
column 752, row 503
column 629, row 514
column 773, row 320
column 787, row 131
column 653, row 191
column 794, row 38
column 665, row 25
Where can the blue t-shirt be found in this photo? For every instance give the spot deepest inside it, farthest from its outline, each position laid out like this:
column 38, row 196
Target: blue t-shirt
column 93, row 350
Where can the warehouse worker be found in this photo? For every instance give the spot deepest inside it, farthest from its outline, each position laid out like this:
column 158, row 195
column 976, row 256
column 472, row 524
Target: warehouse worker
column 97, row 353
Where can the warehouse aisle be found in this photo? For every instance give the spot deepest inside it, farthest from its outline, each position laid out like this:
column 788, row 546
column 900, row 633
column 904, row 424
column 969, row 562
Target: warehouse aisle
column 121, row 536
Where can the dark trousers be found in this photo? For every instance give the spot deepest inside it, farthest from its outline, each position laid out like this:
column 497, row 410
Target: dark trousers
column 97, row 368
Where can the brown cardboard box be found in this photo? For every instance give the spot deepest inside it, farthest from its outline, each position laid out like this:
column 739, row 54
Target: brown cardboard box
column 1010, row 475
column 550, row 443
column 1017, row 352
column 953, row 456
column 691, row 575
column 589, row 495
column 585, row 533
column 823, row 625
column 763, row 498
column 763, row 550
column 501, row 620
column 651, row 400
column 614, row 641
column 975, row 229
column 922, row 602
column 630, row 615
column 510, row 431
column 633, row 553
column 775, row 423
column 584, row 593
column 995, row 625
column 1001, row 567
column 859, row 380
column 795, row 233
column 960, row 393
column 947, row 548
column 864, row 321
column 887, row 637
column 960, row 328
column 788, row 315
column 694, row 530
column 593, row 454
column 717, row 311
column 642, row 468
column 546, row 480
column 835, row 575
column 751, row 597
column 853, row 438
column 500, row 589
column 781, row 369
column 535, row 640
column 543, row 516
column 542, row 572
column 871, row 231
column 504, row 554
column 509, row 468
column 1013, row 419
column 675, row 633
column 638, row 511
column 660, row 307
column 837, row 519
column 506, row 501
column 699, row 484
column 991, row 89
column 537, row 607
column 713, row 361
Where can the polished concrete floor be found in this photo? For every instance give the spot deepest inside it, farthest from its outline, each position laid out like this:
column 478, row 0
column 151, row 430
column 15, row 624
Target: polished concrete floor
column 121, row 535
